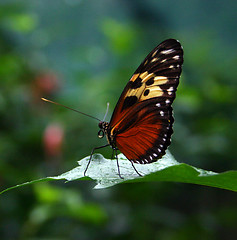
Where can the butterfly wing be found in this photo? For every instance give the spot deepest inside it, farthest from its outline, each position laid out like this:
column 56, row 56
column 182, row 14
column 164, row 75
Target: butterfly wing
column 141, row 124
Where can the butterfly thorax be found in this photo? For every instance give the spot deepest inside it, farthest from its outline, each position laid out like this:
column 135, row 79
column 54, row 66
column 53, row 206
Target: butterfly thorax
column 105, row 130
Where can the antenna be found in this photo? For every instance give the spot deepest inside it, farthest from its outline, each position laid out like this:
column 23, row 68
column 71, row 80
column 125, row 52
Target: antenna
column 46, row 100
column 107, row 109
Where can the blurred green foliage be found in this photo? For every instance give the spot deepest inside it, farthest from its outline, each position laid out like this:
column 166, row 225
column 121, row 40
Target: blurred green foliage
column 81, row 54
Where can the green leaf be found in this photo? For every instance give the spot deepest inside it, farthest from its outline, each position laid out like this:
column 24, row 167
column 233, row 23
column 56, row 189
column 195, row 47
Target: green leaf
column 105, row 173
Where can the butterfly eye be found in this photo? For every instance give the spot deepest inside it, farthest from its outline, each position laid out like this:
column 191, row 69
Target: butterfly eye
column 101, row 133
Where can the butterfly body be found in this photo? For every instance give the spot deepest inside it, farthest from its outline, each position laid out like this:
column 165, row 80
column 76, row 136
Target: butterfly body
column 141, row 124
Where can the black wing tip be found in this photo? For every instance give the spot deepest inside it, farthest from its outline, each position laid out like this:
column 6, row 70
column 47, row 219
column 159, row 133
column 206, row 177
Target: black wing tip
column 170, row 43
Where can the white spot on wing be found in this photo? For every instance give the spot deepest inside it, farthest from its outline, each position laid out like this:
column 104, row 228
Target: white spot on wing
column 167, row 101
column 176, row 57
column 162, row 113
column 158, row 104
column 167, row 51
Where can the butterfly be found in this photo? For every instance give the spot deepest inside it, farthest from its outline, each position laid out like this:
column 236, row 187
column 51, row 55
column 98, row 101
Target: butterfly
column 141, row 123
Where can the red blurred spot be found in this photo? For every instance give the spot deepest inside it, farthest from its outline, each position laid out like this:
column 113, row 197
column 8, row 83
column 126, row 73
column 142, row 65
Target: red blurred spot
column 44, row 85
column 53, row 140
column 47, row 83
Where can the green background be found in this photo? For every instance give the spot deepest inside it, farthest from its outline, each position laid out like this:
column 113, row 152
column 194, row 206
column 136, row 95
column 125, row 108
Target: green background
column 81, row 54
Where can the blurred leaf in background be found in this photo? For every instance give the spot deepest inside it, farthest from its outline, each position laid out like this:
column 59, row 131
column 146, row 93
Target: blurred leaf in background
column 81, row 54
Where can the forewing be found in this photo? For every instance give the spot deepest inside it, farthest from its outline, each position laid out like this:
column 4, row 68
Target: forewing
column 156, row 77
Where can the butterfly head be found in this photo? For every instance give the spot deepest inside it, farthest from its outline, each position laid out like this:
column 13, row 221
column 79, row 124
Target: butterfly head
column 103, row 128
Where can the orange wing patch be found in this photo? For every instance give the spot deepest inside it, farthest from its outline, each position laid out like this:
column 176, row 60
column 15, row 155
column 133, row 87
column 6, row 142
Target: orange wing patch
column 137, row 142
column 145, row 140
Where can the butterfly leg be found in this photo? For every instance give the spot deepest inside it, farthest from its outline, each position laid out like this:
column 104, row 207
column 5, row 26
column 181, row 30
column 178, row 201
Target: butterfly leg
column 115, row 149
column 136, row 170
column 91, row 156
column 112, row 154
